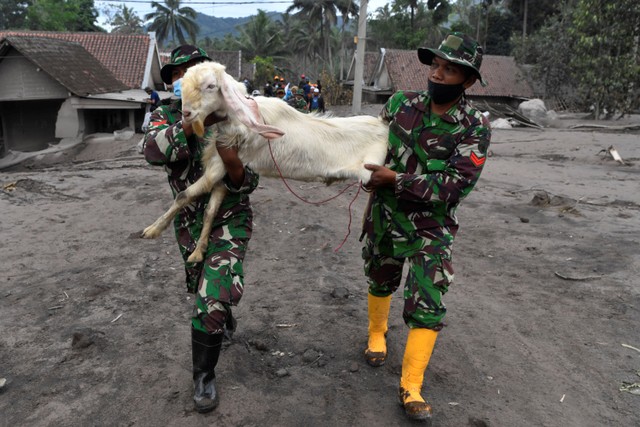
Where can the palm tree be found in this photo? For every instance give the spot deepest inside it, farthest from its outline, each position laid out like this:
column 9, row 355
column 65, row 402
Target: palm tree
column 411, row 4
column 322, row 11
column 384, row 13
column 303, row 44
column 347, row 8
column 126, row 21
column 171, row 20
column 260, row 37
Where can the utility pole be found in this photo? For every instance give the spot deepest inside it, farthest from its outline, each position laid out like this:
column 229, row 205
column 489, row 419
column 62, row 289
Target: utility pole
column 358, row 77
column 524, row 20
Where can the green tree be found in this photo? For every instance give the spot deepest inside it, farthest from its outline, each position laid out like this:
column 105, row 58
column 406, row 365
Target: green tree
column 538, row 12
column 547, row 49
column 497, row 40
column 171, row 21
column 62, row 15
column 260, row 37
column 264, row 70
column 13, row 13
column 412, row 5
column 322, row 13
column 126, row 21
column 348, row 9
column 394, row 32
column 604, row 60
column 384, row 13
column 303, row 45
column 86, row 15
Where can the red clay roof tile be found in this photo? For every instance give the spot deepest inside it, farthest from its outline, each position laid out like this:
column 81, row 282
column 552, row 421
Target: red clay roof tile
column 125, row 55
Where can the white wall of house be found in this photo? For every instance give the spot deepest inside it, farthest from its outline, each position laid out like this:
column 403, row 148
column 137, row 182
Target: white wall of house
column 22, row 80
column 68, row 123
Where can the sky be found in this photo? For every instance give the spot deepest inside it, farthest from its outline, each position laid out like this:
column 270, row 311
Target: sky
column 221, row 8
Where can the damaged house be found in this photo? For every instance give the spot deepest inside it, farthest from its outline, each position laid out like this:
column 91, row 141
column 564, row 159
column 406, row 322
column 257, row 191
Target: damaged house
column 390, row 70
column 68, row 85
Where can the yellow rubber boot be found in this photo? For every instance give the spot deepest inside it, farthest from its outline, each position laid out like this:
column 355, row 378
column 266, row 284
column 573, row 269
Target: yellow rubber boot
column 376, row 352
column 417, row 353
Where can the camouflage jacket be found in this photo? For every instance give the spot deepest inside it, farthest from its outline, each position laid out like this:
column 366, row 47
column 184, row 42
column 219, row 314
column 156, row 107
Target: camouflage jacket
column 438, row 160
column 299, row 104
column 167, row 145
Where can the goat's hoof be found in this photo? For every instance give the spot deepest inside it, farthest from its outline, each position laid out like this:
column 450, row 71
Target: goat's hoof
column 196, row 256
column 150, row 232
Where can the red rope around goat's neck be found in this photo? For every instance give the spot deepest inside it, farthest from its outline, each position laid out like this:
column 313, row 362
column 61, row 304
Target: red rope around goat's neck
column 322, row 201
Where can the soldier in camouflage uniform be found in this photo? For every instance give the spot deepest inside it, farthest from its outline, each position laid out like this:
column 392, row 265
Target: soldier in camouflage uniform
column 299, row 103
column 437, row 148
column 218, row 281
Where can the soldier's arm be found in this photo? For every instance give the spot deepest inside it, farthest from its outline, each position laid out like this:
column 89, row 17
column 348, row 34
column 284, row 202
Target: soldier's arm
column 166, row 141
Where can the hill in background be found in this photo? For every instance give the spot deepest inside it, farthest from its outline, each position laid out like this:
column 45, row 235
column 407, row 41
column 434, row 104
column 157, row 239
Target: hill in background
column 213, row 27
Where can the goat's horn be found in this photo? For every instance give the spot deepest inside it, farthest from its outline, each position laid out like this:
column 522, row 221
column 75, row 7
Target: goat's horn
column 198, row 127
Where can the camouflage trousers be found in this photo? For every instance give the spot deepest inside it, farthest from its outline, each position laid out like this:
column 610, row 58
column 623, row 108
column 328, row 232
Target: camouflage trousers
column 218, row 282
column 428, row 279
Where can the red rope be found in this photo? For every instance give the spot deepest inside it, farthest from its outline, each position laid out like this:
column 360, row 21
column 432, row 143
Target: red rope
column 322, row 201
column 349, row 225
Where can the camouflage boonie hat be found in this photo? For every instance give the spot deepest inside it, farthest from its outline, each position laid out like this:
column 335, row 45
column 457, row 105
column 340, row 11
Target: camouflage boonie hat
column 181, row 55
column 459, row 49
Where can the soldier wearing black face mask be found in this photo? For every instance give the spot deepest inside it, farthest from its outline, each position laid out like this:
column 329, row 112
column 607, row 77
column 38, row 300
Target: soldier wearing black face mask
column 437, row 149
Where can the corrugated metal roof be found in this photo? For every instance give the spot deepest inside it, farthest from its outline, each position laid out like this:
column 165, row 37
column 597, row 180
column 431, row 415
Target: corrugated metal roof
column 125, row 55
column 66, row 62
column 502, row 74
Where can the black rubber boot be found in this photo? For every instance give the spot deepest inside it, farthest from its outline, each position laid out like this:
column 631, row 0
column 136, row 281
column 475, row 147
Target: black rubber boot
column 230, row 325
column 205, row 351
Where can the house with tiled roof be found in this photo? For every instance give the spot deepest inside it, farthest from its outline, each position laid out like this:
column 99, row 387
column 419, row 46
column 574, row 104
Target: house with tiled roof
column 390, row 70
column 72, row 85
column 133, row 58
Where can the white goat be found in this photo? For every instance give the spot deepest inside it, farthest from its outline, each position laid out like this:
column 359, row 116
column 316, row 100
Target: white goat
column 306, row 147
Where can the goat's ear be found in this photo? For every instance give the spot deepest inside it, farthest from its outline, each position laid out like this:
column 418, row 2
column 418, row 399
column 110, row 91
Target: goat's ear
column 246, row 109
column 270, row 134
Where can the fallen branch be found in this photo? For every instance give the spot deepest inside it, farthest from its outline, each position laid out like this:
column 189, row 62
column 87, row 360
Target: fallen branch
column 117, row 159
column 596, row 126
column 576, row 278
column 631, row 347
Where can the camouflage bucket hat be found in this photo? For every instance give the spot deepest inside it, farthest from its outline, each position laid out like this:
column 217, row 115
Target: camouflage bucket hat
column 181, row 55
column 459, row 49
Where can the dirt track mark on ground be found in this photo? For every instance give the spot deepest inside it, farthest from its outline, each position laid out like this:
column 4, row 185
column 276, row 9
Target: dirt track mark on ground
column 26, row 191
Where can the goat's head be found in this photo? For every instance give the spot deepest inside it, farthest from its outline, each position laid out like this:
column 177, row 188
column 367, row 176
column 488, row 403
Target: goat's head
column 201, row 94
column 207, row 88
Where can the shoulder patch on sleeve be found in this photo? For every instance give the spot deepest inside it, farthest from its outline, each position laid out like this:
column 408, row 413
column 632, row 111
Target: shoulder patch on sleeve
column 477, row 160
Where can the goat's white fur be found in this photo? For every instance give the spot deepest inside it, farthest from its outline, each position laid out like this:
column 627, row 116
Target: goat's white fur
column 306, row 147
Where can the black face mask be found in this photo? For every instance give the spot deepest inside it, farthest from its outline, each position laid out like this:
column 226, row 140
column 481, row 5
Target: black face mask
column 443, row 94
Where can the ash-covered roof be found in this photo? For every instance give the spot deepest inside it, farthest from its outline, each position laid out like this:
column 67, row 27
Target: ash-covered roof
column 125, row 55
column 502, row 74
column 66, row 62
